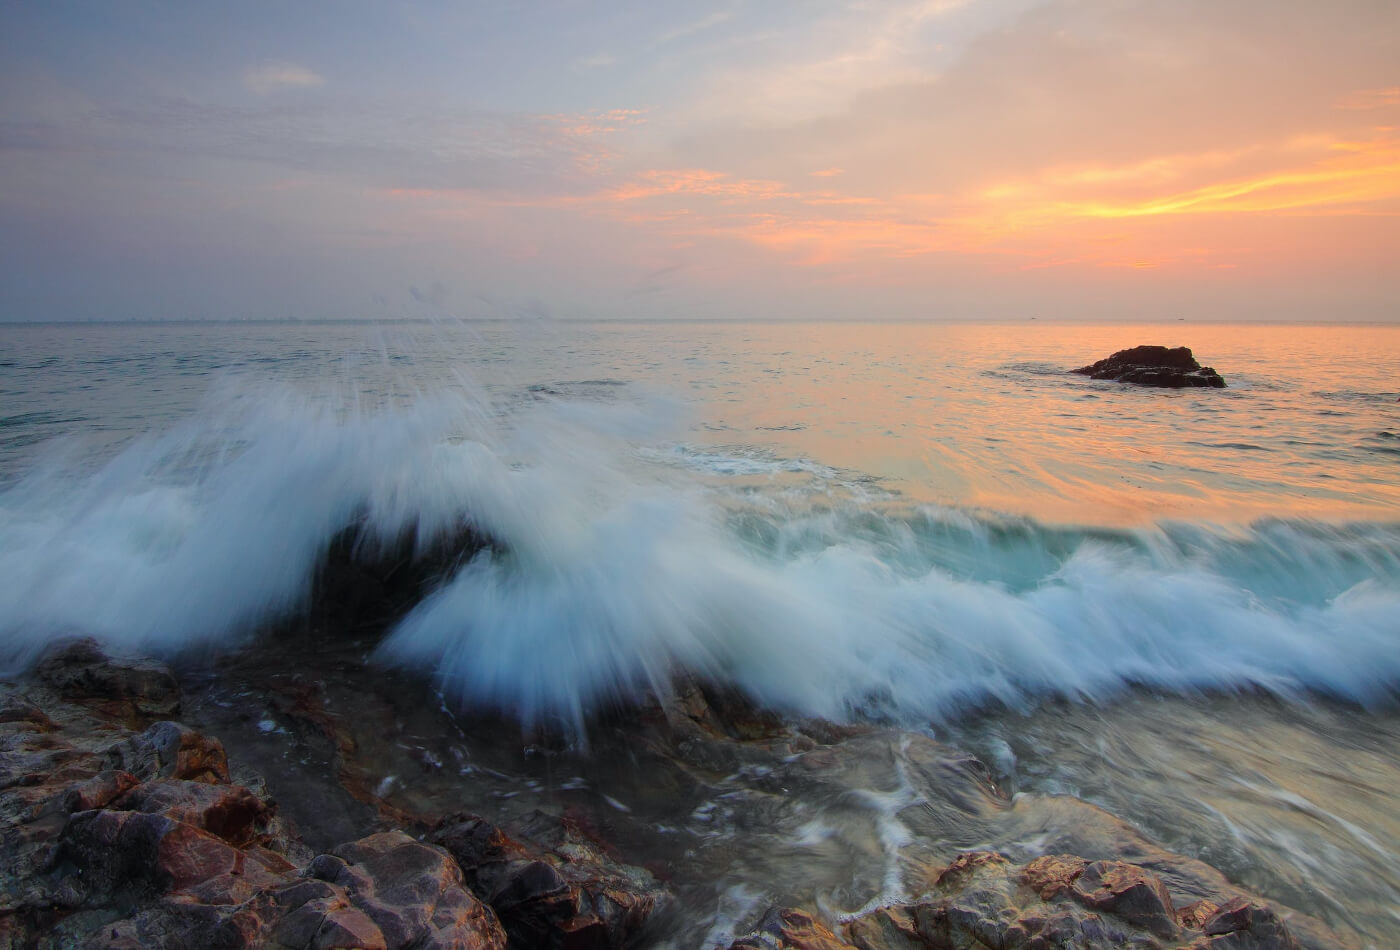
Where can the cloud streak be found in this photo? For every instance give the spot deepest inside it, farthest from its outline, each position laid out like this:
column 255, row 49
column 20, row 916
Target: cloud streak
column 275, row 77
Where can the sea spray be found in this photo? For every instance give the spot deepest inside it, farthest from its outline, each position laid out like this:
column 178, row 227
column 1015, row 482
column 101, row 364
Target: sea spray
column 612, row 567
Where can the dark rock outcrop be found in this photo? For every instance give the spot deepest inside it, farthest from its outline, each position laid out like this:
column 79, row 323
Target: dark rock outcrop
column 120, row 687
column 554, row 889
column 1172, row 368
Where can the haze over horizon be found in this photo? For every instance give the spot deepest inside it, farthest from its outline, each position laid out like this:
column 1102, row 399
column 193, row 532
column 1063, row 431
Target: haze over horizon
column 912, row 159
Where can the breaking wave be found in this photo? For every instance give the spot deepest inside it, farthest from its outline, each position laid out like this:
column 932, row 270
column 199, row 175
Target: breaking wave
column 613, row 567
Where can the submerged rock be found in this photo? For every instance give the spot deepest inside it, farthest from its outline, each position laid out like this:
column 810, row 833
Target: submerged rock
column 983, row 899
column 115, row 837
column 80, row 670
column 1173, row 368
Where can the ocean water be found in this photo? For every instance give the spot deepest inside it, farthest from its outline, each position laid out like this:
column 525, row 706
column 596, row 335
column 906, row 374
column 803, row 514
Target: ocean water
column 930, row 525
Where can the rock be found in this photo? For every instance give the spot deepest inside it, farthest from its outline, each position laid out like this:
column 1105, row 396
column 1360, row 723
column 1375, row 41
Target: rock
column 1242, row 924
column 784, row 928
column 104, row 853
column 1173, row 368
column 557, row 891
column 98, row 791
column 1127, row 892
column 984, row 900
column 229, row 812
column 412, row 891
column 170, row 750
column 81, row 670
column 1194, row 916
column 363, row 582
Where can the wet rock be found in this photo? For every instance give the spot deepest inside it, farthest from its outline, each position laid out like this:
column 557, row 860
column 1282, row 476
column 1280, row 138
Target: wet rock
column 785, row 928
column 1194, row 916
column 17, row 709
column 556, row 889
column 229, row 812
column 1245, row 925
column 1053, row 874
column 983, row 899
column 412, row 891
column 98, row 791
column 170, row 750
column 1127, row 892
column 363, row 582
column 81, row 670
column 1173, row 368
column 106, row 853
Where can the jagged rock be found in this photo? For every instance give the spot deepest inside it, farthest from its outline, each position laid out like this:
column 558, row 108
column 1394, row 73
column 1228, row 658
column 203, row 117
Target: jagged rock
column 1242, row 924
column 170, row 750
column 105, row 852
column 81, row 670
column 412, row 891
column 1128, row 892
column 984, row 900
column 1195, row 915
column 98, row 791
column 364, row 581
column 785, row 928
column 558, row 891
column 229, row 812
column 1173, row 368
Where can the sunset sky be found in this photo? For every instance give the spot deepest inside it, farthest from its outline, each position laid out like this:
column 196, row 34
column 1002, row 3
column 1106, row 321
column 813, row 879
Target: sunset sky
column 910, row 159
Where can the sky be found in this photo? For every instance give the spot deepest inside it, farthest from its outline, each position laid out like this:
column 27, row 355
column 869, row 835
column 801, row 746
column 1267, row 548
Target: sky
column 741, row 160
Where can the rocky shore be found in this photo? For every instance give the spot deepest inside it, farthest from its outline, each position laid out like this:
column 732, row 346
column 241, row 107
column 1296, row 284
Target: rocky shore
column 125, row 823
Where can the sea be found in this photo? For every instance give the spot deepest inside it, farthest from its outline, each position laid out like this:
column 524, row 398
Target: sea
column 1181, row 606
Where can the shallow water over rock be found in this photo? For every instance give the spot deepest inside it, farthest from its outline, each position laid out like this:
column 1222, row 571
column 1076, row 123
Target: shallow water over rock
column 735, row 810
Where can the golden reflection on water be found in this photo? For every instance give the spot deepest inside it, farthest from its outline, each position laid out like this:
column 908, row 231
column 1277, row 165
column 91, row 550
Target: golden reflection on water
column 989, row 417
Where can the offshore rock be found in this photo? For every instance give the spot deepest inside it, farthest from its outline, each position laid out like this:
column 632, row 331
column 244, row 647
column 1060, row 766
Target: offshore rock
column 1172, row 368
column 554, row 889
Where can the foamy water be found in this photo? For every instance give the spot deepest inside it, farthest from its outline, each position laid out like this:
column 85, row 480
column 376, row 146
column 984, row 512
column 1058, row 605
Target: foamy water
column 628, row 549
column 901, row 523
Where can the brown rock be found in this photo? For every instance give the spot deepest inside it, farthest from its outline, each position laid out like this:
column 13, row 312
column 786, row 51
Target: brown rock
column 412, row 891
column 1241, row 924
column 351, row 928
column 80, row 670
column 230, row 812
column 784, row 928
column 1053, row 874
column 1195, row 915
column 886, row 928
column 559, row 890
column 116, row 853
column 1127, row 892
column 98, row 791
column 170, row 750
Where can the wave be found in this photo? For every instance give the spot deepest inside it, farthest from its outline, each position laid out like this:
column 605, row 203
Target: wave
column 612, row 568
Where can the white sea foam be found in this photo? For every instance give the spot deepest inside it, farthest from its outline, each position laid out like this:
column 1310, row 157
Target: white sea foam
column 613, row 571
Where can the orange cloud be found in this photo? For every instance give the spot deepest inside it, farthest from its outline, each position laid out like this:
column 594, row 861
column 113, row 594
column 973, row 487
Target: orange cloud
column 1371, row 99
column 1053, row 219
column 695, row 181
